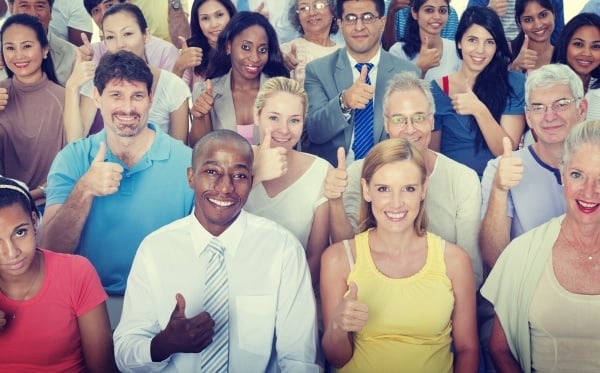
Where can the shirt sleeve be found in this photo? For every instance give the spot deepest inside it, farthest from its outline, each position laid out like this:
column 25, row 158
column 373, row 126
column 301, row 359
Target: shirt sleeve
column 87, row 290
column 515, row 103
column 77, row 17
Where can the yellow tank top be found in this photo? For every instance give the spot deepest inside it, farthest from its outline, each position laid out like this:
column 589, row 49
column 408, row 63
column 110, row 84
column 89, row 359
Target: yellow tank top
column 409, row 323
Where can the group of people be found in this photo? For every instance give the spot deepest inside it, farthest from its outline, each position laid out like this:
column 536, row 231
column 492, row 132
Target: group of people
column 235, row 205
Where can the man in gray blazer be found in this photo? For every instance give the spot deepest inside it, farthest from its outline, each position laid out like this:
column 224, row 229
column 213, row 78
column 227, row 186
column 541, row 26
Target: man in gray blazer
column 337, row 90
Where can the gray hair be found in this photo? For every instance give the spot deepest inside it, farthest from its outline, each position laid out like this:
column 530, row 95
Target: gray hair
column 584, row 133
column 406, row 81
column 553, row 74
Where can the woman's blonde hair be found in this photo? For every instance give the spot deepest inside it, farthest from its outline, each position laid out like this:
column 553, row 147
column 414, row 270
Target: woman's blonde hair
column 276, row 85
column 388, row 151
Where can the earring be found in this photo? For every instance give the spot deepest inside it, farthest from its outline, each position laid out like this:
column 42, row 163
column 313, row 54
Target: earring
column 45, row 56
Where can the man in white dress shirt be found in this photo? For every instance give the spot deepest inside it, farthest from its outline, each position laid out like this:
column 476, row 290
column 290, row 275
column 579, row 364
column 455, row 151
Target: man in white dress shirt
column 272, row 322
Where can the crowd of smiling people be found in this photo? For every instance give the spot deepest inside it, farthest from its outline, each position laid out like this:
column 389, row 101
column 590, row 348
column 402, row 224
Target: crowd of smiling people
column 237, row 204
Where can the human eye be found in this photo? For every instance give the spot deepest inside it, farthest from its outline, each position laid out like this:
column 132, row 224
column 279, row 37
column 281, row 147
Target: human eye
column 273, row 118
column 398, row 119
column 108, row 37
column 319, row 6
column 350, row 18
column 21, row 232
column 561, row 104
column 419, row 118
column 211, row 171
column 240, row 176
column 245, row 47
column 577, row 43
column 204, row 18
column 575, row 175
column 490, row 42
column 596, row 46
column 383, row 188
column 115, row 94
column 95, row 11
column 304, row 8
column 9, row 48
column 368, row 17
column 537, row 108
column 428, row 9
column 527, row 19
column 472, row 39
column 295, row 121
column 409, row 188
column 220, row 14
column 443, row 10
column 138, row 96
column 263, row 50
column 544, row 14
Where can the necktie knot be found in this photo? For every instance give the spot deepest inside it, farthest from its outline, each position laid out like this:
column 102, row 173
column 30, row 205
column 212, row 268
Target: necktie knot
column 215, row 247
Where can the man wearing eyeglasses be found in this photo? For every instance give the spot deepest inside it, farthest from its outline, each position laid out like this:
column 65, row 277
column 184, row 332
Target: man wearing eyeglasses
column 523, row 189
column 345, row 89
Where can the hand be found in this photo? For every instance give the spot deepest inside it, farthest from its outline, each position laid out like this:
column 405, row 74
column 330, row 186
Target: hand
column 290, row 59
column 204, row 103
column 2, row 320
column 261, row 9
column 466, row 103
column 83, row 71
column 269, row 163
column 1, row 61
column 103, row 178
column 360, row 93
column 510, row 169
column 188, row 56
column 350, row 315
column 527, row 58
column 182, row 334
column 498, row 6
column 428, row 56
column 86, row 50
column 3, row 98
column 336, row 180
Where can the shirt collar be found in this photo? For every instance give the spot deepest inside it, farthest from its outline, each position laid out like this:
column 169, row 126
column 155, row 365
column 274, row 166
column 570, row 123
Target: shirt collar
column 230, row 238
column 374, row 60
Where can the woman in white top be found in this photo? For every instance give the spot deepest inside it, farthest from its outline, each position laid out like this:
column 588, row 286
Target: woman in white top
column 288, row 183
column 422, row 43
column 125, row 28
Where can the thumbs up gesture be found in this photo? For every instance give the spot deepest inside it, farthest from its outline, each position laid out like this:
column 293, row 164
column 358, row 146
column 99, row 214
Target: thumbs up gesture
column 86, row 52
column 83, row 71
column 102, row 178
column 261, row 9
column 269, row 163
column 189, row 56
column 204, row 103
column 350, row 315
column 527, row 58
column 336, row 180
column 360, row 93
column 429, row 56
column 467, row 102
column 510, row 168
column 499, row 6
column 182, row 334
column 290, row 59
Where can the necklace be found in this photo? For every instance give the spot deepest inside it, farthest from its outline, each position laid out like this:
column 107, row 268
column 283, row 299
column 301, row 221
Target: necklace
column 33, row 281
column 590, row 256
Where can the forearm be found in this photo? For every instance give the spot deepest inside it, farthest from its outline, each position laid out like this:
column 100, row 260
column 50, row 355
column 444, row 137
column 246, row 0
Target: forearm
column 494, row 234
column 337, row 347
column 200, row 127
column 341, row 228
column 466, row 360
column 180, row 123
column 491, row 130
column 62, row 231
column 72, row 115
column 179, row 68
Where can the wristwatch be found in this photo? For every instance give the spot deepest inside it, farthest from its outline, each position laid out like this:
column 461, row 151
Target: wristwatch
column 176, row 4
column 344, row 108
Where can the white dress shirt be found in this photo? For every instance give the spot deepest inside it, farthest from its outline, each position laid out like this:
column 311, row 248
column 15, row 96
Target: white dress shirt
column 272, row 323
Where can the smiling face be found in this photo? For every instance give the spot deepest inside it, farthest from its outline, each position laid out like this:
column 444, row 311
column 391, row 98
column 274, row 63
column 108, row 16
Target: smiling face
column 478, row 48
column 221, row 179
column 17, row 240
column 23, row 53
column 282, row 115
column 408, row 103
column 432, row 16
column 124, row 106
column 315, row 21
column 38, row 8
column 581, row 181
column 122, row 32
column 583, row 51
column 249, row 52
column 212, row 17
column 395, row 192
column 537, row 22
column 362, row 39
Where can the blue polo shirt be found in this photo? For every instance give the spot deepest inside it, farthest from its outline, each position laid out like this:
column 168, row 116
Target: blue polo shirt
column 153, row 193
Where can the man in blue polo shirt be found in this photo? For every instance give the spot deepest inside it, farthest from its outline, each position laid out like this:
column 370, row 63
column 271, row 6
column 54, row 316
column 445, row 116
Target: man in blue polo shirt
column 108, row 191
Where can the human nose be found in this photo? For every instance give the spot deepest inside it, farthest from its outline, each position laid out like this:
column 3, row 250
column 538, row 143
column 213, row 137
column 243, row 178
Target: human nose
column 591, row 187
column 359, row 25
column 225, row 184
column 8, row 249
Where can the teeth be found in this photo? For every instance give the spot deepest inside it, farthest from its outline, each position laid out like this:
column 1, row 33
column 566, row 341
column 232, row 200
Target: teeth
column 220, row 203
column 395, row 216
column 280, row 139
column 587, row 205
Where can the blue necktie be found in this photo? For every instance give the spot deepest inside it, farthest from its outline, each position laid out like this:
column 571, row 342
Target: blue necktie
column 242, row 5
column 363, row 123
column 215, row 357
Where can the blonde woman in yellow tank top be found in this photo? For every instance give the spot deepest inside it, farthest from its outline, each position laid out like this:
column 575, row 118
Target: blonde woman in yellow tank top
column 396, row 296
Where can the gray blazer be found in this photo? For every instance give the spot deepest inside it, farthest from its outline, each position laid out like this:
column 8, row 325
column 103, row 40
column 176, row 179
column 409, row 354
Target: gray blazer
column 63, row 55
column 326, row 128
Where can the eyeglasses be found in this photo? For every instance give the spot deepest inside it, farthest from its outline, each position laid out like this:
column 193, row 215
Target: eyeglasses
column 307, row 8
column 557, row 106
column 402, row 120
column 366, row 18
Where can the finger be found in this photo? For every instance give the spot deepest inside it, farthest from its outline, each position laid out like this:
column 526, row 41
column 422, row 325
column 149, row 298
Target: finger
column 260, row 8
column 293, row 51
column 426, row 41
column 341, row 157
column 85, row 40
column 179, row 311
column 525, row 43
column 352, row 291
column 364, row 72
column 79, row 57
column 266, row 143
column 101, row 155
column 209, row 87
column 183, row 42
column 507, row 147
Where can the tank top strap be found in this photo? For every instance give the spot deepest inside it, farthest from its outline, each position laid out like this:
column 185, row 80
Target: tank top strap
column 446, row 85
column 436, row 248
column 361, row 243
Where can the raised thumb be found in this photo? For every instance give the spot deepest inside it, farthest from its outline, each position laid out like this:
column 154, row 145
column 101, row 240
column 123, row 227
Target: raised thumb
column 294, row 51
column 341, row 158
column 525, row 43
column 209, row 87
column 266, row 143
column 352, row 291
column 506, row 147
column 426, row 41
column 364, row 72
column 84, row 39
column 101, row 155
column 179, row 311
column 183, row 42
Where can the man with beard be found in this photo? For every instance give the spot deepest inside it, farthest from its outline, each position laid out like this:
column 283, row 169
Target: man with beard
column 108, row 191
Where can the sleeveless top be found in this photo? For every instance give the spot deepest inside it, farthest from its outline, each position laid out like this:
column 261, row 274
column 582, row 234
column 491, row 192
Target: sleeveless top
column 409, row 326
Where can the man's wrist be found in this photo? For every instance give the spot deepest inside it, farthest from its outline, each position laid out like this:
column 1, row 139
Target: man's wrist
column 345, row 109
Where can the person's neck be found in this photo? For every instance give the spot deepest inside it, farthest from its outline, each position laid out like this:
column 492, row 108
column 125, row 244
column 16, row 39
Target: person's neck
column 550, row 154
column 321, row 39
column 466, row 75
column 363, row 57
column 131, row 149
column 394, row 242
column 242, row 84
column 587, row 235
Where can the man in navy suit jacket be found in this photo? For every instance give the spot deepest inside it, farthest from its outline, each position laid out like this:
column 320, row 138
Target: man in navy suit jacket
column 336, row 89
